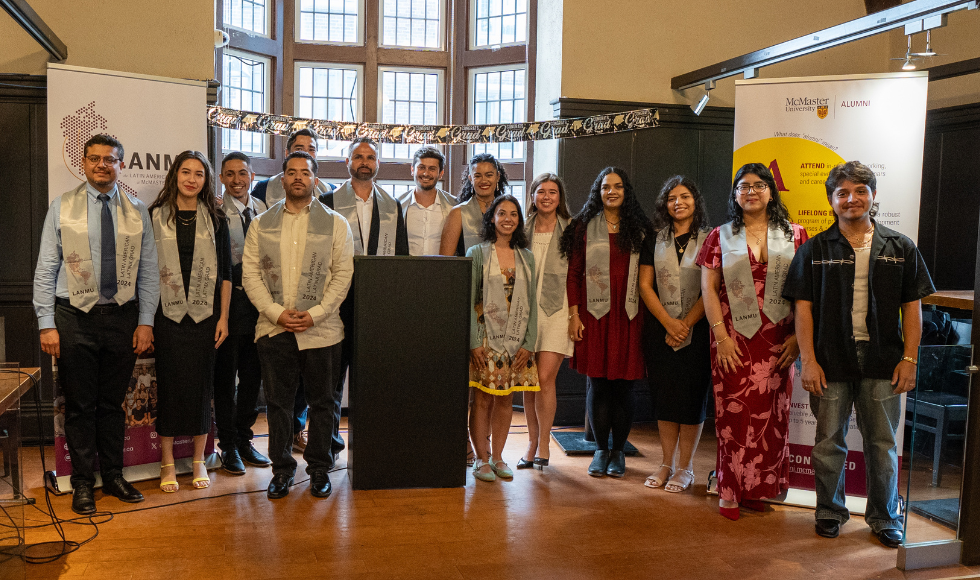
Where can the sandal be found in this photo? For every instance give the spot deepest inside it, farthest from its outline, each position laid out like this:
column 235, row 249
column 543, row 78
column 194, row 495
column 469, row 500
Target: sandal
column 201, row 482
column 173, row 482
column 673, row 486
column 655, row 480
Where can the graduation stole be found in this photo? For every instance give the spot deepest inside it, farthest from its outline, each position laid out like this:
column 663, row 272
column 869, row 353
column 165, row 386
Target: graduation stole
column 555, row 270
column 597, row 285
column 83, row 290
column 198, row 302
column 678, row 281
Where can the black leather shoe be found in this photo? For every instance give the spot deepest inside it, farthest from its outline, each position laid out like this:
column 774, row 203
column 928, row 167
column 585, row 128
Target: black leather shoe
column 279, row 486
column 320, row 483
column 617, row 464
column 122, row 489
column 827, row 528
column 251, row 456
column 231, row 462
column 83, row 500
column 524, row 463
column 600, row 462
column 890, row 538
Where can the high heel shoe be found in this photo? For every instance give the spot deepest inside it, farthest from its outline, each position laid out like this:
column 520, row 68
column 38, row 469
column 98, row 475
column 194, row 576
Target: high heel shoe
column 524, row 464
column 201, row 482
column 730, row 513
column 540, row 463
column 168, row 483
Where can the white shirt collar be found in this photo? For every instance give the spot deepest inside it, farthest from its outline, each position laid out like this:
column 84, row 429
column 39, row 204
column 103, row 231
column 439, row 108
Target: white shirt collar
column 239, row 205
column 415, row 201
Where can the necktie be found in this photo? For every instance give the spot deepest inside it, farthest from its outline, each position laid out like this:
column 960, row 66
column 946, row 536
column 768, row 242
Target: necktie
column 107, row 276
column 246, row 219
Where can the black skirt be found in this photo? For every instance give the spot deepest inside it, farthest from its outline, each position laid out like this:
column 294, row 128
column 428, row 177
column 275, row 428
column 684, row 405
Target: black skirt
column 185, row 374
column 680, row 381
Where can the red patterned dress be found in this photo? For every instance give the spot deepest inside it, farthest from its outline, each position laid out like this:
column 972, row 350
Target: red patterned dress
column 752, row 404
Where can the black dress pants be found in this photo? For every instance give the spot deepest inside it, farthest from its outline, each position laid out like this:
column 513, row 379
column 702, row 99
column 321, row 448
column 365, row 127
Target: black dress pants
column 236, row 408
column 283, row 364
column 95, row 367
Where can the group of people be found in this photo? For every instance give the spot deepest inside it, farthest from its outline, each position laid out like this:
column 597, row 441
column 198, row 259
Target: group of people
column 257, row 286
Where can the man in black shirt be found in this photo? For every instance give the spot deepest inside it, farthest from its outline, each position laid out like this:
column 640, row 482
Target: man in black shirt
column 850, row 284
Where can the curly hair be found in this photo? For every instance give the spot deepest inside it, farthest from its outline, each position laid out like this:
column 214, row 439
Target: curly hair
column 636, row 224
column 207, row 196
column 489, row 233
column 661, row 217
column 468, row 191
column 776, row 209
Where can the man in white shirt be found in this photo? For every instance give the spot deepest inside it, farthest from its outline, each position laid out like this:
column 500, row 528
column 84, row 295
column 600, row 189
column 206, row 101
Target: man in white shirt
column 426, row 206
column 297, row 268
column 235, row 407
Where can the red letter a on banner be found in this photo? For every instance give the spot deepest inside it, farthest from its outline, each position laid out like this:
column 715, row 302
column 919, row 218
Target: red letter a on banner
column 774, row 168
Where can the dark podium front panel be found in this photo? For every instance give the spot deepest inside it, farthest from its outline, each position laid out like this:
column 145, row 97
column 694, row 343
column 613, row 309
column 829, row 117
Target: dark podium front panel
column 409, row 372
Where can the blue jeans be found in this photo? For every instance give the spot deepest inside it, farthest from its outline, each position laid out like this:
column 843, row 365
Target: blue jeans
column 878, row 413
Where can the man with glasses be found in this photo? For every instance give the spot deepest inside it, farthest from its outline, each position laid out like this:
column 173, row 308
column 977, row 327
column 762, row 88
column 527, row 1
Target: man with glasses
column 235, row 408
column 857, row 288
column 426, row 206
column 270, row 192
column 96, row 290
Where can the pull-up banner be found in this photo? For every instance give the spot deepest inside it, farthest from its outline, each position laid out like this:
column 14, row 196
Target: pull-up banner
column 155, row 118
column 436, row 134
column 801, row 128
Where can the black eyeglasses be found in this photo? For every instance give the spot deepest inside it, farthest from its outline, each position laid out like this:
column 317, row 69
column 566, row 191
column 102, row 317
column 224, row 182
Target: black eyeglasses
column 97, row 159
column 756, row 187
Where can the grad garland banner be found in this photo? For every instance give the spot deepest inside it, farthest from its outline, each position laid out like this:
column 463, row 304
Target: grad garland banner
column 436, row 134
column 801, row 128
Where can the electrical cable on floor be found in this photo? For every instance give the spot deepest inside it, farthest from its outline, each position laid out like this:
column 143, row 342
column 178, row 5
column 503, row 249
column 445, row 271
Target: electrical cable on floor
column 67, row 546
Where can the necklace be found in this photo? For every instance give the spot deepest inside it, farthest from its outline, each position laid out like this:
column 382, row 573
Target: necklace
column 186, row 221
column 864, row 237
column 754, row 235
column 682, row 246
column 614, row 226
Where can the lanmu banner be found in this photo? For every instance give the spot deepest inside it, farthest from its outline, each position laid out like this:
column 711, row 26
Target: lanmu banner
column 155, row 119
column 801, row 128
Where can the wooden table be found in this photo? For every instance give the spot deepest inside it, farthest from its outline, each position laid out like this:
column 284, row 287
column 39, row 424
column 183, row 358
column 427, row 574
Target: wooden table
column 962, row 299
column 13, row 385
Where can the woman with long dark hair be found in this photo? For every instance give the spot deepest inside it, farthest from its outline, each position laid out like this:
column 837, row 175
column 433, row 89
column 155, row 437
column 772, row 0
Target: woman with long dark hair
column 194, row 249
column 503, row 331
column 547, row 218
column 744, row 264
column 485, row 180
column 675, row 337
column 602, row 244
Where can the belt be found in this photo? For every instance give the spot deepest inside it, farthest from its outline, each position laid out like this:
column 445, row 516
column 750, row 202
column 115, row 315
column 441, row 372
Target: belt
column 98, row 308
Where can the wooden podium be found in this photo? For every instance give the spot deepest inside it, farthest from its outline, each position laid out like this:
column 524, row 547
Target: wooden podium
column 408, row 388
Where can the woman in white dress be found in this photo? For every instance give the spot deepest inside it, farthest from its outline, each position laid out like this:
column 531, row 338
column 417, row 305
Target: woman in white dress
column 547, row 217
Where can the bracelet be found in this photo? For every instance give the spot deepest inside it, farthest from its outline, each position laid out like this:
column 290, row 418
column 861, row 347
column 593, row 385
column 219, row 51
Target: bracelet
column 717, row 323
column 911, row 360
column 718, row 342
column 572, row 314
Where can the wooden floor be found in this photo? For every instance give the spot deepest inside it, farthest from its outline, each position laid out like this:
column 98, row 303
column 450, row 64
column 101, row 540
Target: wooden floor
column 559, row 524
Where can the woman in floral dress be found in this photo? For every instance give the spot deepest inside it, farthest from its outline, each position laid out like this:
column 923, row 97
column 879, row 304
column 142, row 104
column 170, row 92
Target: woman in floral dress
column 744, row 264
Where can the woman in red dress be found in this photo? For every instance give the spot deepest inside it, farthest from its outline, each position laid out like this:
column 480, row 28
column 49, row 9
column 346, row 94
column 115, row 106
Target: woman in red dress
column 603, row 244
column 755, row 345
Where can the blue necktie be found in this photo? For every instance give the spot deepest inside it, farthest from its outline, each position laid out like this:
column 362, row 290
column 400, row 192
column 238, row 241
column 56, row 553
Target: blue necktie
column 107, row 276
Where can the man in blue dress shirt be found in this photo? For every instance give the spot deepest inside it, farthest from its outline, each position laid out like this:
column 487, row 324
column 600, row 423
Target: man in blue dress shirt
column 96, row 289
